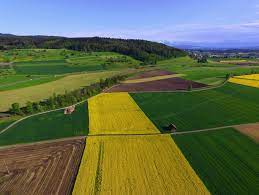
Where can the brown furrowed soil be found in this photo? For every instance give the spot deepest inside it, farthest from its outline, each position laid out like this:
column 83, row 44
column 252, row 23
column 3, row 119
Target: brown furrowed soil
column 151, row 73
column 171, row 84
column 43, row 168
column 251, row 130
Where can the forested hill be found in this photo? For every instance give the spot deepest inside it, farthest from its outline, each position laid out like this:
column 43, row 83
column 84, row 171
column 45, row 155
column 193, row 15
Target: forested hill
column 146, row 51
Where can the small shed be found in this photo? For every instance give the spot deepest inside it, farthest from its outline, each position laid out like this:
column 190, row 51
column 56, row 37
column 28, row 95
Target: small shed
column 172, row 127
column 69, row 110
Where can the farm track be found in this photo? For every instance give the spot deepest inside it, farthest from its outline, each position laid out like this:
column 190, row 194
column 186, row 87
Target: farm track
column 130, row 135
column 44, row 168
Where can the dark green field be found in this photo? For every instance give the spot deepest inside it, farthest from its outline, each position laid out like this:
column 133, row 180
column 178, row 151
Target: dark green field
column 229, row 105
column 78, row 62
column 225, row 160
column 48, row 126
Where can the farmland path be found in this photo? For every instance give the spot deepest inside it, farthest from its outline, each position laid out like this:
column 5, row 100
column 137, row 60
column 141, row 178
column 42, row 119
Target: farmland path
column 43, row 142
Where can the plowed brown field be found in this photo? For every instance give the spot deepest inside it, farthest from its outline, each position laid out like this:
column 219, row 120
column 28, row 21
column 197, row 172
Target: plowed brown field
column 44, row 168
column 170, row 84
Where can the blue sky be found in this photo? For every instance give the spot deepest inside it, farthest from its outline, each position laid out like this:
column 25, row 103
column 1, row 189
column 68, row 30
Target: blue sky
column 172, row 20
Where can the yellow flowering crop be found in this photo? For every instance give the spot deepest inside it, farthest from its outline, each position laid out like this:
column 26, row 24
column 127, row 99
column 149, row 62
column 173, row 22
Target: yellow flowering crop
column 247, row 80
column 151, row 164
column 249, row 77
column 155, row 78
column 117, row 113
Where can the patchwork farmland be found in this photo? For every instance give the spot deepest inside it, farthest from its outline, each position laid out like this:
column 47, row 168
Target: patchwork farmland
column 166, row 82
column 175, row 127
column 136, row 165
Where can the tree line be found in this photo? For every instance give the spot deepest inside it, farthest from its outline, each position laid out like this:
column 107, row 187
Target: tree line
column 67, row 99
column 146, row 51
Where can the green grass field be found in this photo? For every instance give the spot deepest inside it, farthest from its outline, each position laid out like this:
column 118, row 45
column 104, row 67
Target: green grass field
column 48, row 126
column 211, row 73
column 228, row 105
column 22, row 81
column 225, row 160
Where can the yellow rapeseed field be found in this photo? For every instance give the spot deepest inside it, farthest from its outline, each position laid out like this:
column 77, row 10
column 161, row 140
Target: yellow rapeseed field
column 151, row 164
column 117, row 113
column 249, row 77
column 155, row 78
column 246, row 82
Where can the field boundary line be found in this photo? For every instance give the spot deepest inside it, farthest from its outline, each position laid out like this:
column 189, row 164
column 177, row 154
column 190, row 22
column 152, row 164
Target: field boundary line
column 175, row 133
column 124, row 135
column 40, row 113
column 42, row 142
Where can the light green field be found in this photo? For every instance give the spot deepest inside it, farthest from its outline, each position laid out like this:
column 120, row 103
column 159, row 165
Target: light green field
column 21, row 81
column 43, row 91
column 211, row 73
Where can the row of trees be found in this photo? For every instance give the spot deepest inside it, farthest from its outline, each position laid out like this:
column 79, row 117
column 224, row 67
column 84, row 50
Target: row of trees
column 67, row 99
column 145, row 51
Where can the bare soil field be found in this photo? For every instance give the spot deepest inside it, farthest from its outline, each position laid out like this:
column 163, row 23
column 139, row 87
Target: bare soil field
column 43, row 168
column 251, row 130
column 151, row 73
column 171, row 84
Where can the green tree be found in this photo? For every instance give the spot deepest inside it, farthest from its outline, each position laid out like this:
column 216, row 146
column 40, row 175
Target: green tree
column 15, row 109
column 29, row 108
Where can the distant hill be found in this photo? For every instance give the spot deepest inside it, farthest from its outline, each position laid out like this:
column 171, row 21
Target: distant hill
column 146, row 51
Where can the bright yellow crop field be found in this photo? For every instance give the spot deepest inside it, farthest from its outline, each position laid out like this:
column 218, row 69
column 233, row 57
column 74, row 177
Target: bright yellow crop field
column 246, row 82
column 150, row 164
column 251, row 77
column 117, row 113
column 156, row 78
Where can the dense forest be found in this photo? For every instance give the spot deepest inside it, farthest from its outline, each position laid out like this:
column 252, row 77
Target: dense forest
column 145, row 51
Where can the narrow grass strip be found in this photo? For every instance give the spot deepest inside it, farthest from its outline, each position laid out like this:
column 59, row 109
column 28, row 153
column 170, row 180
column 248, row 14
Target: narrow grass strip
column 155, row 78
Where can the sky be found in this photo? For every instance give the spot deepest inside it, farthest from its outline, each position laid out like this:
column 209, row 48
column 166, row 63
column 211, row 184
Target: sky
column 157, row 20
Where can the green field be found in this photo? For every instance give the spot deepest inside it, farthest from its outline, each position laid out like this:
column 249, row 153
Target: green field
column 7, row 121
column 228, row 105
column 211, row 73
column 30, row 67
column 48, row 126
column 50, row 62
column 21, row 81
column 225, row 160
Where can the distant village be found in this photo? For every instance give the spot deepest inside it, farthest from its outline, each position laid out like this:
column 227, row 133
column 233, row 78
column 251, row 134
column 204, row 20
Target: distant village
column 245, row 54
